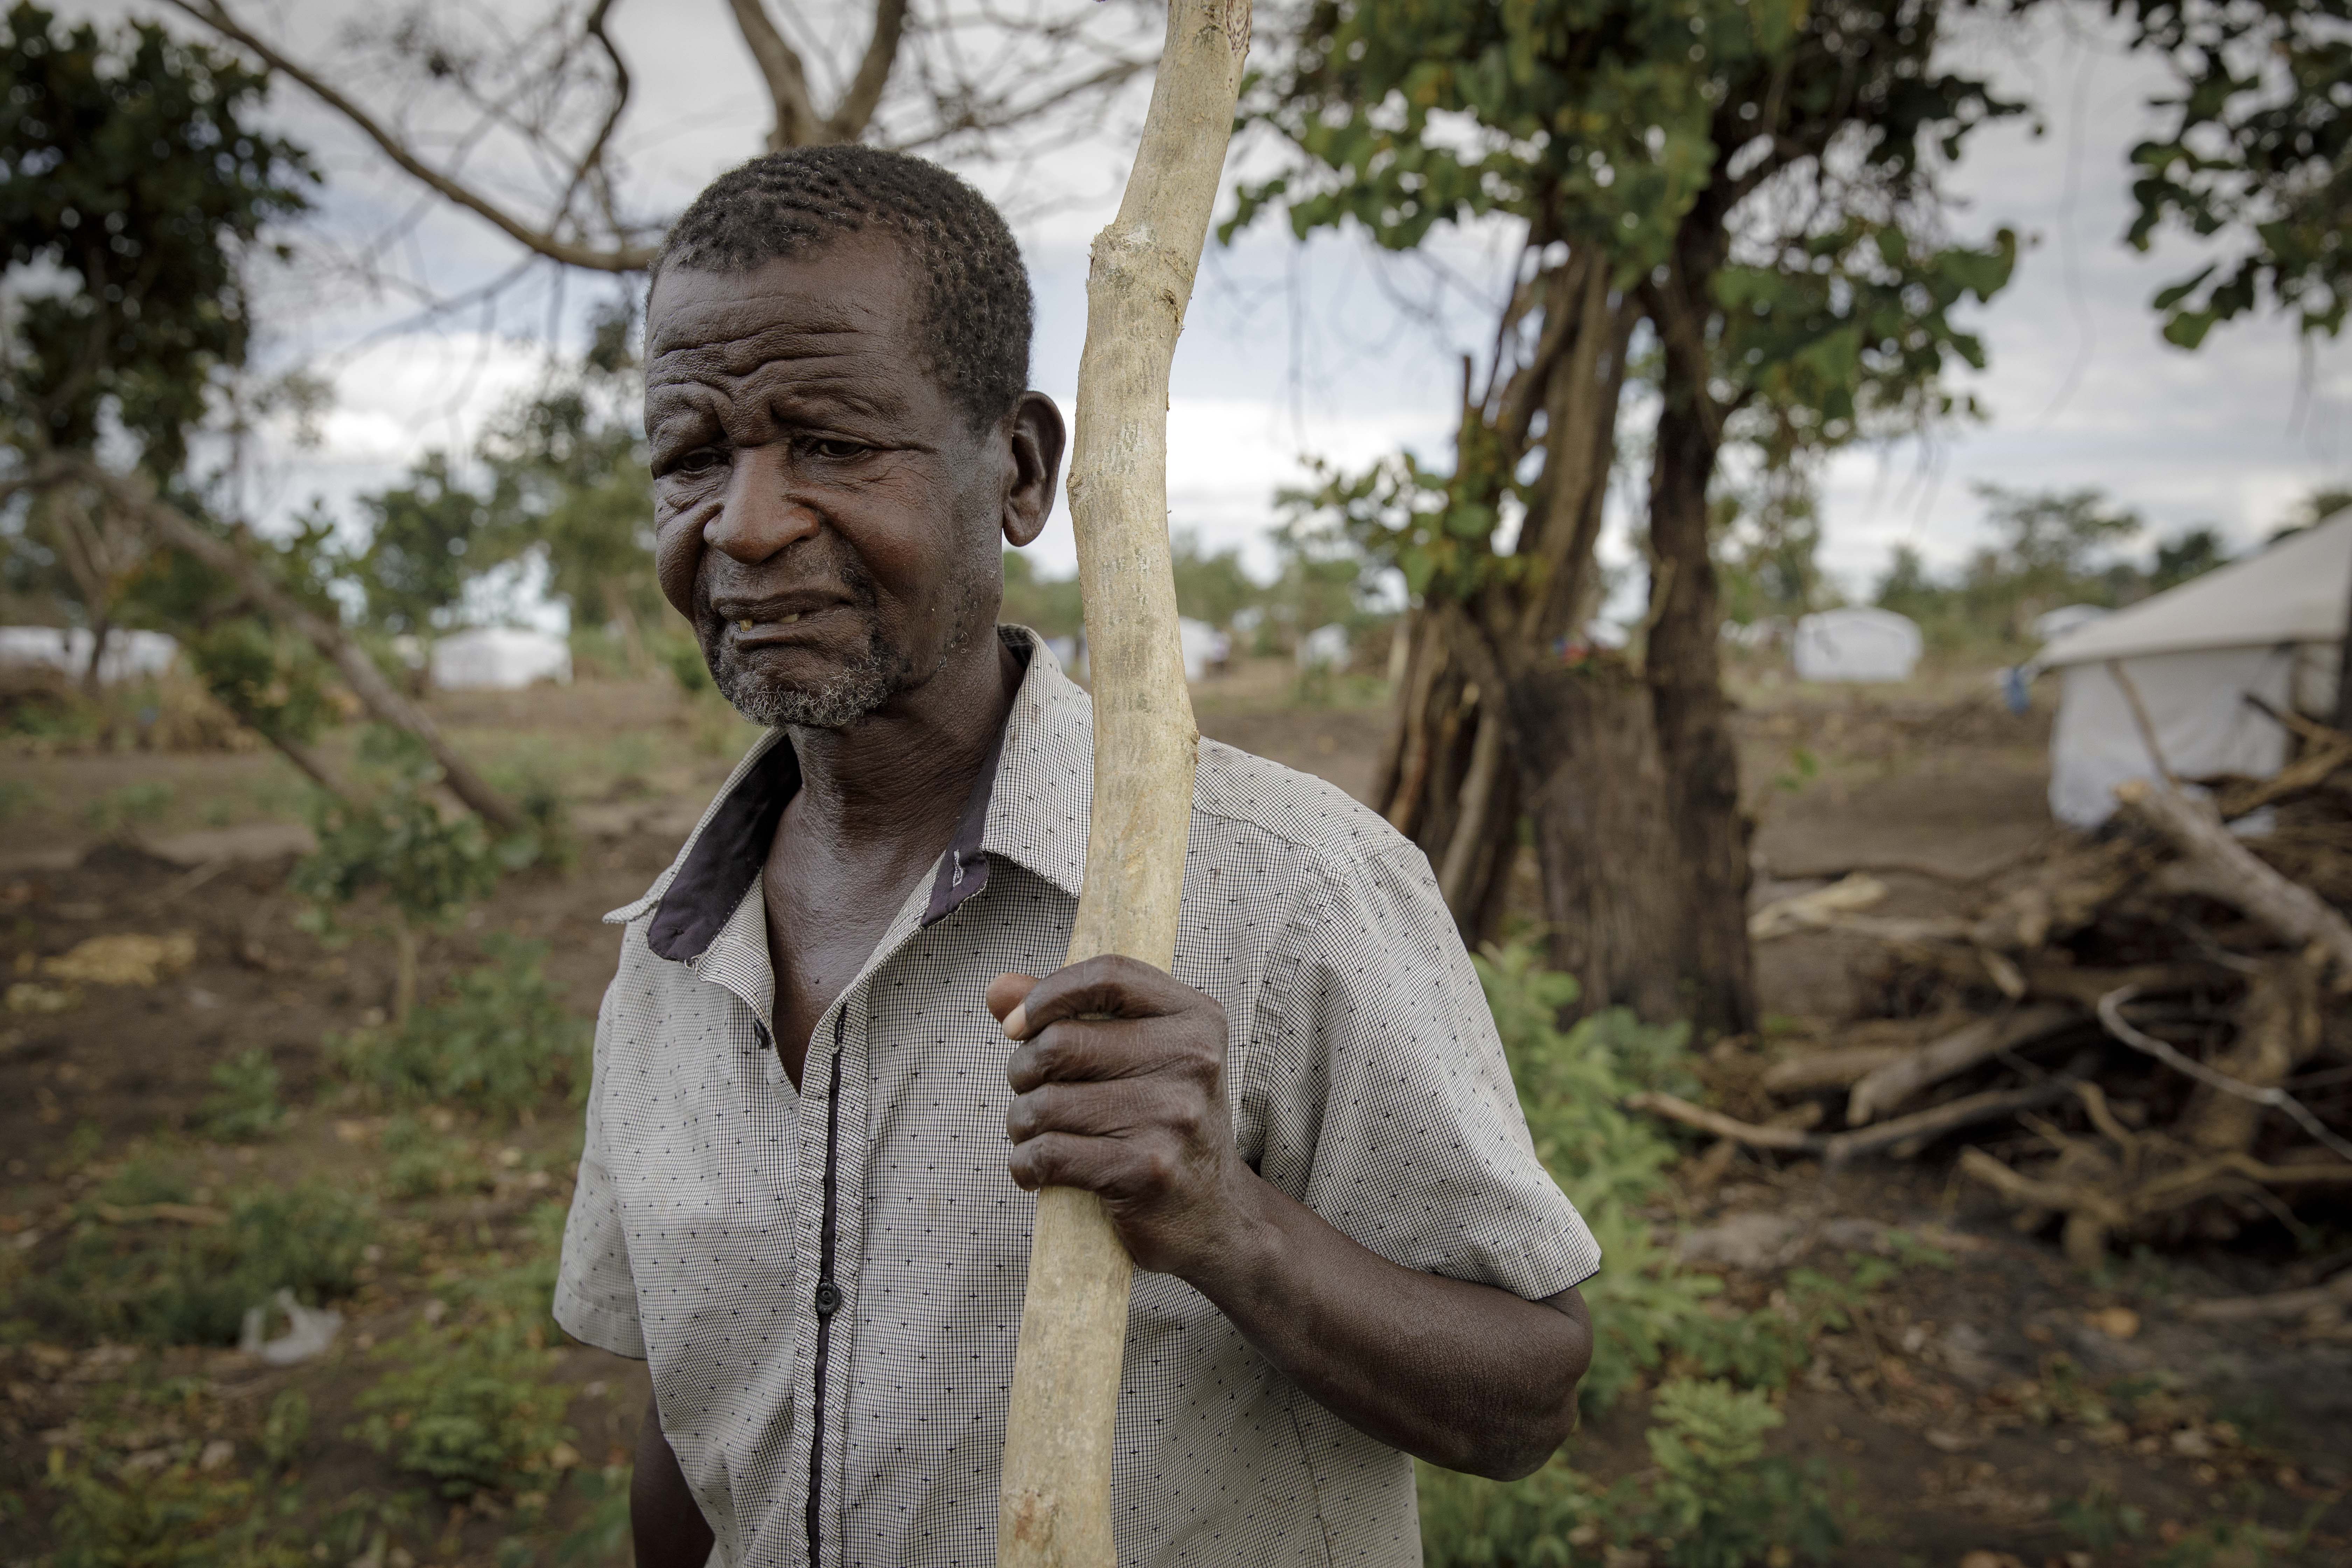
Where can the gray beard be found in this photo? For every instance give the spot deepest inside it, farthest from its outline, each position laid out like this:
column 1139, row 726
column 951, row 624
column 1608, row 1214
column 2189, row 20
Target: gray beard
column 878, row 675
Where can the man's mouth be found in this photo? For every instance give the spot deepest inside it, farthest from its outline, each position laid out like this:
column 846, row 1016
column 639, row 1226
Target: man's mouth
column 755, row 625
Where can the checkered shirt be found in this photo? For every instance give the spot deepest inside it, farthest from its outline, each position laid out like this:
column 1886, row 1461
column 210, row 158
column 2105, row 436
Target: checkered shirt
column 827, row 1283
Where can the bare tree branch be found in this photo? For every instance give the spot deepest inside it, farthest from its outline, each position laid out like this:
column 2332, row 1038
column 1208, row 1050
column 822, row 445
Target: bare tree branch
column 216, row 14
column 797, row 124
column 858, row 104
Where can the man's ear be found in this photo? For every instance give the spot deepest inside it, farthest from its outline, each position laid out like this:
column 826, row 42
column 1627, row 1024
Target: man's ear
column 1038, row 438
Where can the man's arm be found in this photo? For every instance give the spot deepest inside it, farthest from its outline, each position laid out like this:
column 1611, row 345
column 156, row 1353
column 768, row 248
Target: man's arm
column 664, row 1522
column 1119, row 1085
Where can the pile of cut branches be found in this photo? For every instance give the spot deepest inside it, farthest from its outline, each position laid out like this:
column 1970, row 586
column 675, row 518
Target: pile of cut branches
column 2145, row 1033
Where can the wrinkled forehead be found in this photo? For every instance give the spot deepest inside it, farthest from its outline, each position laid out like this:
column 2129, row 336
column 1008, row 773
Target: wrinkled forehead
column 849, row 298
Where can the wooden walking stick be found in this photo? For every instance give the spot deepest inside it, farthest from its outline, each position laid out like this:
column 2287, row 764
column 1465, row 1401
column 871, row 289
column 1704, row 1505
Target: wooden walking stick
column 1054, row 1508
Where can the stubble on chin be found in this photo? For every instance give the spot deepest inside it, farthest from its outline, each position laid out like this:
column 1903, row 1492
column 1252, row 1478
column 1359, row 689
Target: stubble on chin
column 878, row 673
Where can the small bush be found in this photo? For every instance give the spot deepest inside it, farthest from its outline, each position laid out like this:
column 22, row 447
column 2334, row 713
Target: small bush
column 422, row 1163
column 470, row 1411
column 1717, row 1500
column 175, row 1518
column 120, row 813
column 1713, row 1499
column 158, row 1281
column 498, row 1043
column 243, row 1104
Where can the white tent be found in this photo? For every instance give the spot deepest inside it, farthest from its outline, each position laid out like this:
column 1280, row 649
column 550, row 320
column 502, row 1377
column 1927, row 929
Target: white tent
column 1324, row 647
column 1856, row 644
column 1204, row 646
column 129, row 654
column 499, row 658
column 2269, row 626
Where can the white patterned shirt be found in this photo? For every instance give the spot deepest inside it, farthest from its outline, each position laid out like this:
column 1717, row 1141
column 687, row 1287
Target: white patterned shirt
column 828, row 1282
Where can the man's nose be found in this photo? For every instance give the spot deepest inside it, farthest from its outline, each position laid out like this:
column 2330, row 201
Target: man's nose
column 760, row 517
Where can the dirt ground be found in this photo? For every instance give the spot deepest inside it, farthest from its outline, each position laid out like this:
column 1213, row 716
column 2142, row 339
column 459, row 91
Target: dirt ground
column 2005, row 1402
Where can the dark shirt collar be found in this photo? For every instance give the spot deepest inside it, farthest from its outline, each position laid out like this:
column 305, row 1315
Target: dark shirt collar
column 727, row 856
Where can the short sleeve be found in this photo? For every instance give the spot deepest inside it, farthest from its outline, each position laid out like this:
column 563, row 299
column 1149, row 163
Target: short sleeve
column 1384, row 1095
column 595, row 1291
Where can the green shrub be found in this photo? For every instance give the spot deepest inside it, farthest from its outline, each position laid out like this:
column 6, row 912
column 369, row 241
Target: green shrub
column 174, row 1517
column 421, row 1163
column 498, row 1043
column 1717, row 1500
column 1573, row 1084
column 158, row 1281
column 120, row 813
column 243, row 1104
column 1712, row 1499
column 470, row 1411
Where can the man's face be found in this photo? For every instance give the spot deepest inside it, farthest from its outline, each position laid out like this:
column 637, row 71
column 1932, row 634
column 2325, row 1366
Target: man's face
column 828, row 517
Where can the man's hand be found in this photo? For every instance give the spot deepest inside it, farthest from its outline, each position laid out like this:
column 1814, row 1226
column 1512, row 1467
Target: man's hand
column 1120, row 1091
column 1119, row 1085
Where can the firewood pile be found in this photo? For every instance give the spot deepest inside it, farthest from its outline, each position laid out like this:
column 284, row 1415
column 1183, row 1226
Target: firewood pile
column 2142, row 1034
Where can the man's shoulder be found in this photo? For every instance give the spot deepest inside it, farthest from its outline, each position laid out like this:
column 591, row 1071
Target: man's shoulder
column 1325, row 827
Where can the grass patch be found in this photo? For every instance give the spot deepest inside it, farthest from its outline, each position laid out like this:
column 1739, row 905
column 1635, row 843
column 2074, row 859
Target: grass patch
column 177, row 1517
column 244, row 1105
column 498, row 1043
column 184, row 1273
column 471, row 1413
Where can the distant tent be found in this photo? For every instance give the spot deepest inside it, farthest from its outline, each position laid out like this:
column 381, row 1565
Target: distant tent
column 129, row 655
column 2269, row 626
column 1858, row 644
column 1324, row 647
column 499, row 658
column 1202, row 645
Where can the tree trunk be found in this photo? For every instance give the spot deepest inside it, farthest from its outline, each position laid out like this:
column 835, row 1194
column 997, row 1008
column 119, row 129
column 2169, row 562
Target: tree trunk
column 1590, row 773
column 404, row 970
column 100, row 627
column 1701, row 793
column 618, row 612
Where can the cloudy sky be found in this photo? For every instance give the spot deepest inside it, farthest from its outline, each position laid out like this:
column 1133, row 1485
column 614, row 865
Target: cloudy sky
column 1327, row 350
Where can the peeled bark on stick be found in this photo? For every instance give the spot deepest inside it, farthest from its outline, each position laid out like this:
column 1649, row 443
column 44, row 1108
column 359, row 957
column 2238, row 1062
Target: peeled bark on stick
column 1053, row 1504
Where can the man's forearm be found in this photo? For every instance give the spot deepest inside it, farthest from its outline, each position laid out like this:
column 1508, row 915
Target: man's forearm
column 1467, row 1376
column 666, row 1524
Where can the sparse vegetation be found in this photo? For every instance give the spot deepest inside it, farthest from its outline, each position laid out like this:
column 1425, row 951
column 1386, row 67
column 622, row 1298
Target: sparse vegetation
column 498, row 1044
column 243, row 1104
column 147, row 1262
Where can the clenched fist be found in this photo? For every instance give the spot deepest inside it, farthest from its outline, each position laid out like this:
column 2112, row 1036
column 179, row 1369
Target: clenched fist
column 1120, row 1089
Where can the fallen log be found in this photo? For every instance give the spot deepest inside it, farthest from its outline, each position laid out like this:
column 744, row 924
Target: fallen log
column 1788, row 1140
column 1838, row 1068
column 2336, row 1292
column 2214, row 863
column 1887, row 1087
column 1923, row 1127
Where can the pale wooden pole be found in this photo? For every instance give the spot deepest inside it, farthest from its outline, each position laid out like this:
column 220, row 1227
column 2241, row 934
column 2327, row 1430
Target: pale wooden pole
column 1054, row 1510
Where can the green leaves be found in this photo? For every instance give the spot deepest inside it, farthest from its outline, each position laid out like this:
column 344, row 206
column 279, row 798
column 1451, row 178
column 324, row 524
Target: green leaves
column 128, row 164
column 2256, row 160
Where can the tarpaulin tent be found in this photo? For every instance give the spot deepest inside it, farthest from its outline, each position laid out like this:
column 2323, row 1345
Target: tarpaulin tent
column 1856, row 644
column 2270, row 627
column 129, row 654
column 499, row 658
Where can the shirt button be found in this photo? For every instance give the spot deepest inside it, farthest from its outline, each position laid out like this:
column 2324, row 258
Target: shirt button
column 828, row 1299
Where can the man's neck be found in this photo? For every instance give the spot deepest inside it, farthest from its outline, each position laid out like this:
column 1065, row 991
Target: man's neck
column 899, row 776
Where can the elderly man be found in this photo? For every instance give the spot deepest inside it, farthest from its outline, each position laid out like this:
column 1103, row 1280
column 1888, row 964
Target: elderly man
column 796, row 1199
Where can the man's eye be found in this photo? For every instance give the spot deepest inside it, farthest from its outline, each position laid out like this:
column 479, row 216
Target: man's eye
column 835, row 448
column 701, row 460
